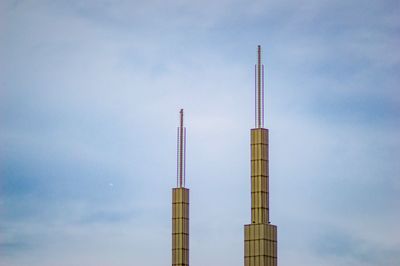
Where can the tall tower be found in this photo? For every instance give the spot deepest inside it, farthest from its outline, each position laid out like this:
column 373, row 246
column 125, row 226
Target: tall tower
column 180, row 204
column 260, row 237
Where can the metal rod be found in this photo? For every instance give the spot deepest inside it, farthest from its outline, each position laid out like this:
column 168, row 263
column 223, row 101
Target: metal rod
column 255, row 95
column 259, row 90
column 184, row 158
column 177, row 156
column 262, row 111
column 181, row 149
column 259, row 87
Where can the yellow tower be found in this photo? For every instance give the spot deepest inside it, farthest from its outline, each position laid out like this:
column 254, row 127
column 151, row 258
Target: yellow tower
column 180, row 205
column 260, row 237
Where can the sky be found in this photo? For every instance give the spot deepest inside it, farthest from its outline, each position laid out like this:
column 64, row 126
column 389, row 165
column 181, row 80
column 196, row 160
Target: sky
column 89, row 98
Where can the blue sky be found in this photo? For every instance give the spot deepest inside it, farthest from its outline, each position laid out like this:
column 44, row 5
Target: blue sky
column 89, row 98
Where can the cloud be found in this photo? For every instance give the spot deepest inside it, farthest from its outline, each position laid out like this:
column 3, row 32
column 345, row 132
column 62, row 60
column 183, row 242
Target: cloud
column 344, row 247
column 90, row 93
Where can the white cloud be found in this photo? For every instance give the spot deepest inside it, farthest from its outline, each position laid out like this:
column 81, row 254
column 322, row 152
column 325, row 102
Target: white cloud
column 91, row 94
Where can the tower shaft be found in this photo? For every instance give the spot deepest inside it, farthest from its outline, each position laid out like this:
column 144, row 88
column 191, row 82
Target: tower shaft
column 180, row 226
column 259, row 176
column 260, row 237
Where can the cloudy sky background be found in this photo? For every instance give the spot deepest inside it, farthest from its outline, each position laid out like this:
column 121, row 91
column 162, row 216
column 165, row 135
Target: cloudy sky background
column 89, row 99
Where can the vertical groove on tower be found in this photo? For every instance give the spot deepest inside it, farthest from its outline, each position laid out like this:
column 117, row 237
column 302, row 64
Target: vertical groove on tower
column 260, row 237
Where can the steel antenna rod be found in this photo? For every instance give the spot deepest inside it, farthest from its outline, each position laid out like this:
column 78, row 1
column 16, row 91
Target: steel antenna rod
column 259, row 90
column 181, row 150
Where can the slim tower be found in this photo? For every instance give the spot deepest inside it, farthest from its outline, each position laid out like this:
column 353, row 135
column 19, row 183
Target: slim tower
column 180, row 204
column 260, row 237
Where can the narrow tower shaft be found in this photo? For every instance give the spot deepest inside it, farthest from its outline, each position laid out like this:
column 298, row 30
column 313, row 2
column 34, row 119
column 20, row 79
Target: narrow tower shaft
column 259, row 176
column 180, row 226
column 180, row 204
column 260, row 246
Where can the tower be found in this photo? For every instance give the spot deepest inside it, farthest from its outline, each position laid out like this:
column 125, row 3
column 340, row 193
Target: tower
column 180, row 204
column 260, row 237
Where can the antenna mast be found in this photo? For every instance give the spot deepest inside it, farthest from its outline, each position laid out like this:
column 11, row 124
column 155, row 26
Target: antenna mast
column 259, row 91
column 181, row 153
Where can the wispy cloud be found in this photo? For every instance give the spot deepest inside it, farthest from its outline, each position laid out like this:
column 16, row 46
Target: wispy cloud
column 89, row 94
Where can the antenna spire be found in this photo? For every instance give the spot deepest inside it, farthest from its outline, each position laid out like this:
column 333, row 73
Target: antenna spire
column 259, row 90
column 181, row 153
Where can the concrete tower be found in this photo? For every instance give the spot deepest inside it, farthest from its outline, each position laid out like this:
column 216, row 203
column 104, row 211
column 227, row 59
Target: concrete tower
column 180, row 205
column 260, row 237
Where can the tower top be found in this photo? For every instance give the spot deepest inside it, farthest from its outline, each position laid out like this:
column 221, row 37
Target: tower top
column 181, row 153
column 259, row 90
